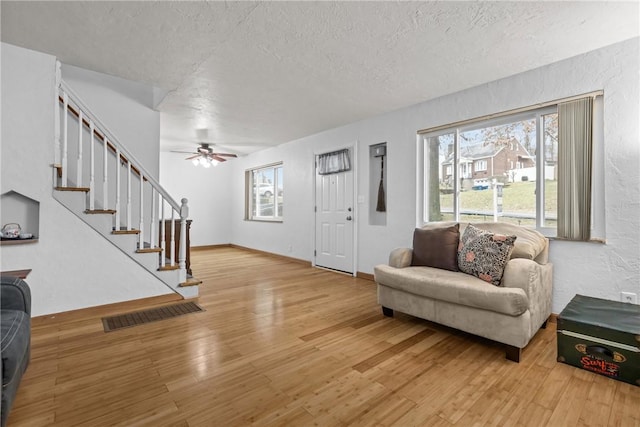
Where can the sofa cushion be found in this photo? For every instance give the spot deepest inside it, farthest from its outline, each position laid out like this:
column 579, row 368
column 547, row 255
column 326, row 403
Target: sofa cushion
column 15, row 333
column 454, row 287
column 400, row 257
column 529, row 245
column 436, row 247
column 484, row 254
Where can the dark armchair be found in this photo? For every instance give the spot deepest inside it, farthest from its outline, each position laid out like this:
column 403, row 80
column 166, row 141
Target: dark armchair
column 15, row 338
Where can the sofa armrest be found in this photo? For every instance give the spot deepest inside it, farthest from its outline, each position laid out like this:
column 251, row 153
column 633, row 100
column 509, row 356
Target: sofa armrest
column 536, row 281
column 15, row 294
column 400, row 257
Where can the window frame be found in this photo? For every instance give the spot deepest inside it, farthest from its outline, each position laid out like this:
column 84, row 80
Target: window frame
column 538, row 111
column 480, row 165
column 249, row 192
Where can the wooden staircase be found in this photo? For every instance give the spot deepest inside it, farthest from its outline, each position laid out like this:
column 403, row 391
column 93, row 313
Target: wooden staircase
column 119, row 190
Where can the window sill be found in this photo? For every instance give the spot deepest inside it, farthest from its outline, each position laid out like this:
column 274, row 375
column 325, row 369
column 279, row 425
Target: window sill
column 597, row 240
column 264, row 220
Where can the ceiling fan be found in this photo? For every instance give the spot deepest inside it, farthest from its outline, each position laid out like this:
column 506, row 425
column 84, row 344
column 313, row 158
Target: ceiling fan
column 205, row 156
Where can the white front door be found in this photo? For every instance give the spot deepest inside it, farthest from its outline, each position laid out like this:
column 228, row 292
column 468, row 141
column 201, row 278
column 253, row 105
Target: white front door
column 334, row 221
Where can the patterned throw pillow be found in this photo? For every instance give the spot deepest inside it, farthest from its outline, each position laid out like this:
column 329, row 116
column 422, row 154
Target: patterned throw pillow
column 484, row 254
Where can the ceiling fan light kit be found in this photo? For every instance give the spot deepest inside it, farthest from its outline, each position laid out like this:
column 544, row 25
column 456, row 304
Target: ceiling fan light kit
column 204, row 161
column 206, row 157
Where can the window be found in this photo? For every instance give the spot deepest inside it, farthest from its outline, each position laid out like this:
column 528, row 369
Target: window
column 517, row 157
column 264, row 193
column 480, row 165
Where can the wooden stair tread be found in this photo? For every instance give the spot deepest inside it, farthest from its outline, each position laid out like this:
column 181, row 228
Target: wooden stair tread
column 125, row 232
column 58, row 167
column 100, row 211
column 148, row 250
column 191, row 281
column 169, row 267
column 79, row 189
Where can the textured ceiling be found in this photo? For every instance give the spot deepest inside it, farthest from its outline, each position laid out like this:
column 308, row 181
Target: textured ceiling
column 260, row 74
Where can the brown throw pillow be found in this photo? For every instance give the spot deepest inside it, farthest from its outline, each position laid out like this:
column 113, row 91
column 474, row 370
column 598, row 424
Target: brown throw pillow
column 437, row 247
column 484, row 254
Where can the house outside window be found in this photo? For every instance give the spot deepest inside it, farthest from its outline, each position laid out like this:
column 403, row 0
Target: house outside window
column 504, row 150
column 264, row 193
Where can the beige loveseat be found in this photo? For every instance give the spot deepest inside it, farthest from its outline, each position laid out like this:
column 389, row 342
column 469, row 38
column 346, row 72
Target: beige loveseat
column 510, row 313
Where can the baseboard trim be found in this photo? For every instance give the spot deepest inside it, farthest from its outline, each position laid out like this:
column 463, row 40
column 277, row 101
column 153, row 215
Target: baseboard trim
column 553, row 318
column 207, row 247
column 365, row 276
column 103, row 310
column 288, row 258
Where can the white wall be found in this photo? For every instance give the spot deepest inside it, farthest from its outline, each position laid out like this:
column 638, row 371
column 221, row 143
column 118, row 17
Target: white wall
column 73, row 267
column 296, row 230
column 600, row 270
column 109, row 98
column 208, row 192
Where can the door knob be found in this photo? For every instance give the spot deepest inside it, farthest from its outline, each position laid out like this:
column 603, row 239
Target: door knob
column 349, row 218
column 349, row 209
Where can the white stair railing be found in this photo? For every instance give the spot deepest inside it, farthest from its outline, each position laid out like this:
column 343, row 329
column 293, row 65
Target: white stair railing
column 65, row 128
column 129, row 214
column 163, row 234
column 105, row 168
column 118, row 184
column 92, row 165
column 79, row 159
column 140, row 208
column 72, row 112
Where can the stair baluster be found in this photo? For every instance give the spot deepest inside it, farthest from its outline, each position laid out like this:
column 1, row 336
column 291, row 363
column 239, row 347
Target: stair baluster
column 92, row 169
column 65, row 139
column 163, row 235
column 79, row 165
column 118, row 184
column 152, row 225
column 105, row 168
column 172, row 259
column 141, row 226
column 128, row 196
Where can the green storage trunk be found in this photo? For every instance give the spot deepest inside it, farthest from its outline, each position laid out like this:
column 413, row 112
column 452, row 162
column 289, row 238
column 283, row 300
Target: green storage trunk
column 601, row 336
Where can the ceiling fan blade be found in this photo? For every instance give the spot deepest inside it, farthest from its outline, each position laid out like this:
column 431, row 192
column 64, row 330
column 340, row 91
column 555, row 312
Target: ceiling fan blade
column 228, row 148
column 193, row 157
column 182, row 152
column 225, row 154
column 218, row 158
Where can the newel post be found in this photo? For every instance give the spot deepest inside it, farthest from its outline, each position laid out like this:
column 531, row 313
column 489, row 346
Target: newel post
column 184, row 214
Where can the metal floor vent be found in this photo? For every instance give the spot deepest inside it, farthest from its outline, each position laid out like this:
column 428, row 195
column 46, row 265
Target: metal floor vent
column 127, row 320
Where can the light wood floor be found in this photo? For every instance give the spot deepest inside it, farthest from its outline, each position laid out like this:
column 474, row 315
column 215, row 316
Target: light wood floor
column 283, row 344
